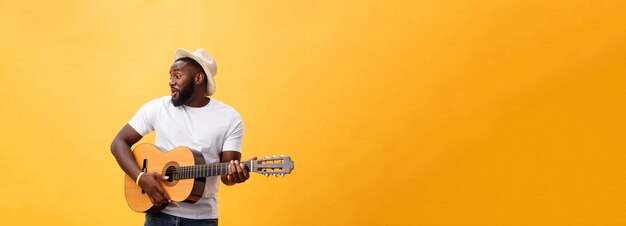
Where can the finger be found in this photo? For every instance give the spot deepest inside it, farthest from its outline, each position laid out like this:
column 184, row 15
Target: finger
column 242, row 178
column 158, row 197
column 154, row 199
column 246, row 175
column 233, row 172
column 151, row 199
column 164, row 194
column 229, row 176
column 159, row 177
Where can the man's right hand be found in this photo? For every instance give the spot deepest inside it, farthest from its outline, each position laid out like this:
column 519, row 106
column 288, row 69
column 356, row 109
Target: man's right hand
column 150, row 183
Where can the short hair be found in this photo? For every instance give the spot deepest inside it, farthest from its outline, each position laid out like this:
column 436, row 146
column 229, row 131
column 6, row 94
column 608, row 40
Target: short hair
column 195, row 65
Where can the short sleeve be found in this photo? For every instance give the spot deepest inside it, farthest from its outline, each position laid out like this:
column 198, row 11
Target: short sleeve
column 234, row 135
column 143, row 121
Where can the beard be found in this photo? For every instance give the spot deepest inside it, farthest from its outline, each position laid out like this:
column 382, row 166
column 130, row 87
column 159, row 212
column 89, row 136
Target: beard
column 184, row 95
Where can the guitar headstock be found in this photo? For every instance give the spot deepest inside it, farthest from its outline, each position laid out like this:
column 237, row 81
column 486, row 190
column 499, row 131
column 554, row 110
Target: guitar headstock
column 275, row 165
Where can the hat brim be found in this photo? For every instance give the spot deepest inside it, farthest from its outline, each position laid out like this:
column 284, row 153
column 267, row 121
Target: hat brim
column 182, row 53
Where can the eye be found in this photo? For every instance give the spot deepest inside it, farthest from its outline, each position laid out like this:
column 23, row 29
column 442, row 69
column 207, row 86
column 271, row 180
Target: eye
column 178, row 76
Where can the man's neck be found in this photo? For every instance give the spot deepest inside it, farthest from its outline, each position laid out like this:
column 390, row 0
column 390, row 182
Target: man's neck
column 198, row 100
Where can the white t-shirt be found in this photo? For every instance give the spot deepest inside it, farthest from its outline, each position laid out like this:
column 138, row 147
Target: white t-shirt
column 209, row 130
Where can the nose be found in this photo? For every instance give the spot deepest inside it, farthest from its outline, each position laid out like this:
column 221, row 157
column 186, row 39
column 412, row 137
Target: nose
column 171, row 82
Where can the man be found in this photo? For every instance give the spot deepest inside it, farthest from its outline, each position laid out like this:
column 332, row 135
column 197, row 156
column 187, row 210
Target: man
column 188, row 117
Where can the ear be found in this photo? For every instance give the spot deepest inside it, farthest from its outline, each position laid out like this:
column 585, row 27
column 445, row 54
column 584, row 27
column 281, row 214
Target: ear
column 198, row 79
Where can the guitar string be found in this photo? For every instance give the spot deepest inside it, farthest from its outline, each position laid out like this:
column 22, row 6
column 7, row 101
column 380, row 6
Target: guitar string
column 204, row 169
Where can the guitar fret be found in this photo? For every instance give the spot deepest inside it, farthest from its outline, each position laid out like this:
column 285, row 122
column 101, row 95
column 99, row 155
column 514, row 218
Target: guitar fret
column 205, row 170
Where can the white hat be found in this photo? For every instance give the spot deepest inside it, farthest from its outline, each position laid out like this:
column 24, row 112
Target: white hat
column 206, row 61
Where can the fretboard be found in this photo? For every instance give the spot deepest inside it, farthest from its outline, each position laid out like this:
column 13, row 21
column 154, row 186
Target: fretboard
column 208, row 170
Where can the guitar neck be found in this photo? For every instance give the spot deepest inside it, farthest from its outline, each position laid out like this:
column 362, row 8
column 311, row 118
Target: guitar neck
column 208, row 170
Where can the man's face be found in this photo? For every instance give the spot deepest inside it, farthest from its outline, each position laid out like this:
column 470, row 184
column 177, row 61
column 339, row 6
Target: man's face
column 181, row 82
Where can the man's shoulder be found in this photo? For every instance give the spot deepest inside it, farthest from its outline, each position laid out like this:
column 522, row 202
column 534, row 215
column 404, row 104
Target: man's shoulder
column 217, row 104
column 163, row 99
column 157, row 102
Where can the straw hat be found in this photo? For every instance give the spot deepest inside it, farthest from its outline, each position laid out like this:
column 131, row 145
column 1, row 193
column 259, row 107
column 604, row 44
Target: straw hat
column 206, row 61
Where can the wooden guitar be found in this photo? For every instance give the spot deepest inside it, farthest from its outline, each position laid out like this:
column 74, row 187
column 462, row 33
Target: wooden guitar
column 187, row 173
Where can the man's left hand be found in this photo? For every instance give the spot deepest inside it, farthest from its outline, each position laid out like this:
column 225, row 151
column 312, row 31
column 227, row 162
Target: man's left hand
column 237, row 172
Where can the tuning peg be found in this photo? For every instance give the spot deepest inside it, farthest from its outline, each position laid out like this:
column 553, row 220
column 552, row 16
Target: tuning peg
column 275, row 175
column 267, row 175
column 282, row 155
column 282, row 174
column 274, row 156
column 267, row 157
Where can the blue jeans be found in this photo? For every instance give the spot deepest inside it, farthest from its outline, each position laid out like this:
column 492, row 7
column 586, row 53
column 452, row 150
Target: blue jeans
column 163, row 219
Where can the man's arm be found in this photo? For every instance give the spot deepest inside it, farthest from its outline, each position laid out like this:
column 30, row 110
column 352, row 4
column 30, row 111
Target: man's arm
column 237, row 172
column 120, row 147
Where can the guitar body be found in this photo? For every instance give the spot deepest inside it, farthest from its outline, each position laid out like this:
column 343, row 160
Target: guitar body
column 154, row 160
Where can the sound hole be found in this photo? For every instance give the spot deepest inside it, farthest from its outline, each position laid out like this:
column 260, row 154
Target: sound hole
column 170, row 171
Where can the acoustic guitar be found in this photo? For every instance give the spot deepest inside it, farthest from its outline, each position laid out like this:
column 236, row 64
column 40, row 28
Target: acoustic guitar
column 187, row 173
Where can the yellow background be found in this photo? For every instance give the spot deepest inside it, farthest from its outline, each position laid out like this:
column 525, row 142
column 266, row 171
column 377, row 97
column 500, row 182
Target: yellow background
column 395, row 112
